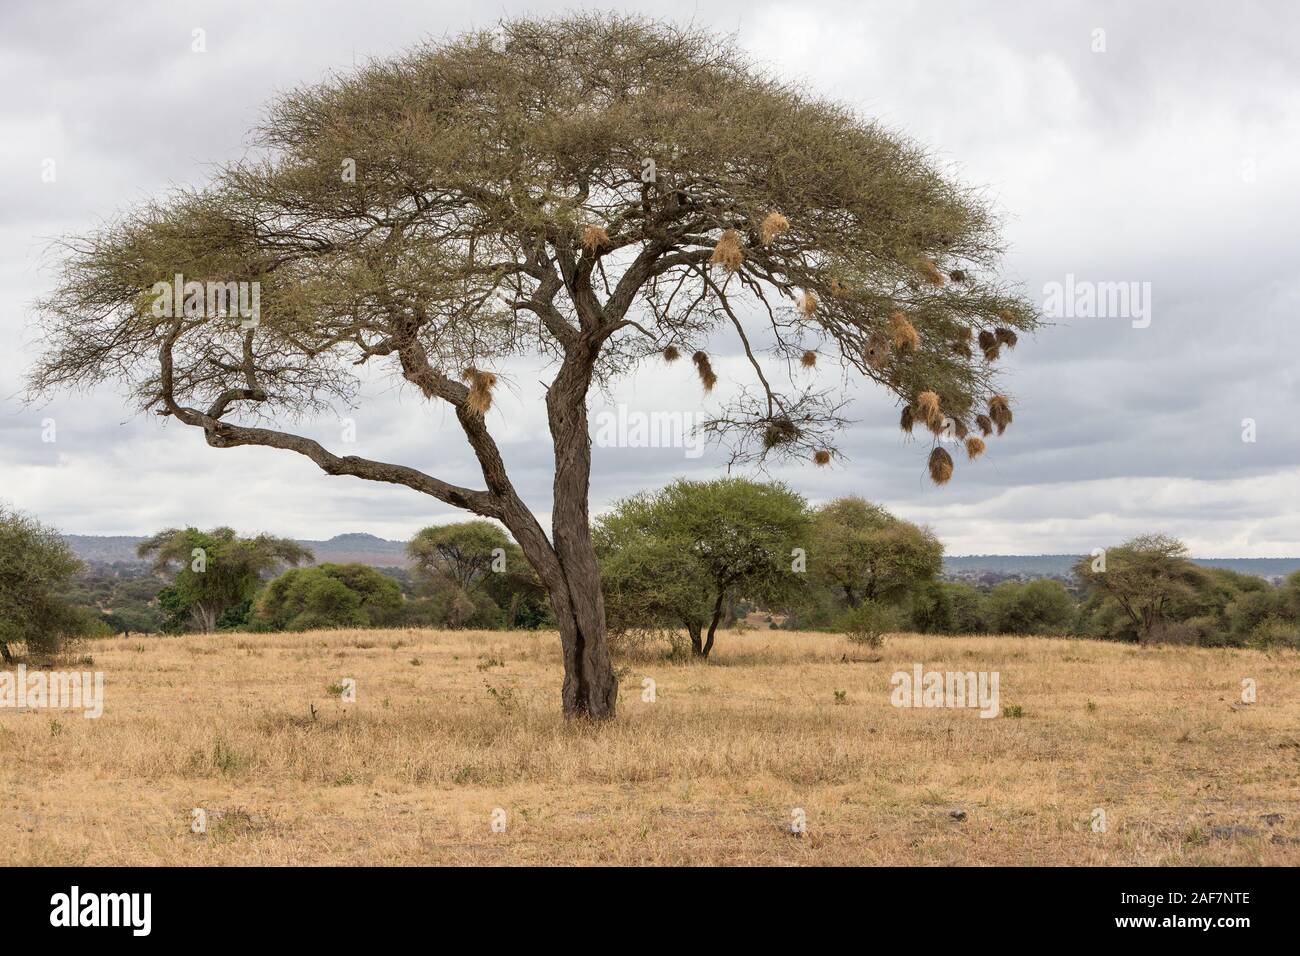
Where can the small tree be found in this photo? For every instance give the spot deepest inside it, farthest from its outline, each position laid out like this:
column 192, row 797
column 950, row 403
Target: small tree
column 1143, row 577
column 589, row 193
column 36, row 566
column 214, row 571
column 861, row 552
column 678, row 556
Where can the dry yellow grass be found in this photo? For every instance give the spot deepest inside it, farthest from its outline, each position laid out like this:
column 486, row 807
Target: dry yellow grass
column 448, row 726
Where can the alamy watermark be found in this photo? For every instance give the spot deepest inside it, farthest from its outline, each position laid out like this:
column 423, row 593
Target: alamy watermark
column 1084, row 299
column 922, row 688
column 214, row 300
column 625, row 428
column 53, row 690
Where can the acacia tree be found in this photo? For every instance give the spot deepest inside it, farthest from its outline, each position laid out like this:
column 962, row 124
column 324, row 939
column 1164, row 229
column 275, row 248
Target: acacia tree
column 217, row 570
column 463, row 553
column 861, row 552
column 593, row 191
column 680, row 555
column 1144, row 577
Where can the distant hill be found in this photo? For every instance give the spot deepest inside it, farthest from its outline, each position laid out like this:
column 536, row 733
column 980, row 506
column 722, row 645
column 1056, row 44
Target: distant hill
column 1058, row 565
column 352, row 548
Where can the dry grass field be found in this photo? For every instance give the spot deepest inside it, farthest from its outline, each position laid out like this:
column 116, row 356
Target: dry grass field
column 448, row 726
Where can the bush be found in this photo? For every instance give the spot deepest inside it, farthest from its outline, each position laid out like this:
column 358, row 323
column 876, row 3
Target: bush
column 1276, row 632
column 1036, row 607
column 868, row 623
column 328, row 595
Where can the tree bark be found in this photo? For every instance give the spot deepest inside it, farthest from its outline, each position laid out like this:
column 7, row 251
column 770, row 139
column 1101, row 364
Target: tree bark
column 713, row 624
column 590, row 687
column 697, row 642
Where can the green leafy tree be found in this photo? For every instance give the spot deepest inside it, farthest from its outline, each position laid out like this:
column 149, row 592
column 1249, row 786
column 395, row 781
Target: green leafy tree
column 36, row 566
column 861, row 552
column 328, row 595
column 215, row 571
column 676, row 557
column 587, row 194
column 1043, row 606
column 1142, row 579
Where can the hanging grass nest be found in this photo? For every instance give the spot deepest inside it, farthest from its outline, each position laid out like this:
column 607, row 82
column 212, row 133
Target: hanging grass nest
column 908, row 419
column 728, row 252
column 838, row 288
column 808, row 303
column 990, row 344
column 974, row 447
column 821, row 457
column 595, row 238
column 958, row 275
column 905, row 335
column 962, row 349
column 705, row 370
column 480, row 385
column 1000, row 412
column 940, row 466
column 671, row 353
column 985, row 425
column 774, row 224
column 927, row 403
column 877, row 352
column 929, row 271
column 959, row 429
column 779, row 431
column 808, row 359
column 1006, row 337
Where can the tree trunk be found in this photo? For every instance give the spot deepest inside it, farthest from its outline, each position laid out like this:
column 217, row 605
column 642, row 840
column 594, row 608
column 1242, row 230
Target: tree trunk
column 713, row 625
column 697, row 643
column 5, row 653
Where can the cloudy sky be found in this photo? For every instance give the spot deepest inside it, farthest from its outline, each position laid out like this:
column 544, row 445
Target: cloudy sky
column 1150, row 143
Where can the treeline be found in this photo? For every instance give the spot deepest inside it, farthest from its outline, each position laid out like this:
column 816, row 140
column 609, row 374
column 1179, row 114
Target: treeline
column 678, row 565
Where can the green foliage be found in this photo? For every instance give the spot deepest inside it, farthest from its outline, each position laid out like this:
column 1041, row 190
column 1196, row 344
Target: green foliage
column 861, row 552
column 968, row 611
column 931, row 609
column 328, row 595
column 465, row 552
column 869, row 622
column 676, row 558
column 1148, row 579
column 214, row 571
column 472, row 575
column 1043, row 606
column 36, row 566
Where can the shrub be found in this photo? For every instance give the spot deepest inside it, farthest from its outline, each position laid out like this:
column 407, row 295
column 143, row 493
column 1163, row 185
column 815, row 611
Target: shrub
column 868, row 623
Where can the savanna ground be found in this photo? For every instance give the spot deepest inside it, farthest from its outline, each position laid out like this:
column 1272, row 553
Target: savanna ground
column 449, row 726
